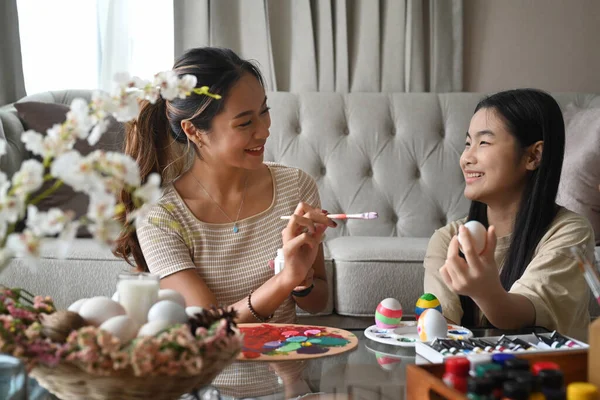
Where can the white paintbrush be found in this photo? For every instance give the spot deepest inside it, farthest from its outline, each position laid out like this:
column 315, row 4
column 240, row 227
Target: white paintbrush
column 365, row 215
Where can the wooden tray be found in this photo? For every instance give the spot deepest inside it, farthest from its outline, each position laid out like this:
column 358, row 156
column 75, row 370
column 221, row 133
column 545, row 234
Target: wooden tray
column 425, row 381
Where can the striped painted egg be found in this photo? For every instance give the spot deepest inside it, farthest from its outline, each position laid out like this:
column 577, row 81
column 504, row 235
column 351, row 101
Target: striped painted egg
column 431, row 325
column 426, row 301
column 388, row 314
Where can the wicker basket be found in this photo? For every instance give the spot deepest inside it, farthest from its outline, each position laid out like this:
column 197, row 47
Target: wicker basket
column 69, row 382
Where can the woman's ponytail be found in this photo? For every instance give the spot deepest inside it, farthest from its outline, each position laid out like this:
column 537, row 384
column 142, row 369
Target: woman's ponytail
column 149, row 141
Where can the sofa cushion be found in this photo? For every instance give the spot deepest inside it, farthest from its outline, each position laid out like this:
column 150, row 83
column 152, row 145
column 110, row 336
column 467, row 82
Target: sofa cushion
column 579, row 188
column 41, row 116
column 369, row 269
column 89, row 269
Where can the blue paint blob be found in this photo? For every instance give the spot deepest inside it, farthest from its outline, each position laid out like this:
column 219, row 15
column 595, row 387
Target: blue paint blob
column 296, row 339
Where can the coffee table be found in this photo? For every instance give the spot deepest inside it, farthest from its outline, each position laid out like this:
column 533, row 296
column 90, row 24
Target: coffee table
column 373, row 371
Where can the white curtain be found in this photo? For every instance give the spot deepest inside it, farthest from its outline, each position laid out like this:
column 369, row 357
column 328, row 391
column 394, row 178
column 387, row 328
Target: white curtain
column 334, row 45
column 114, row 43
column 134, row 36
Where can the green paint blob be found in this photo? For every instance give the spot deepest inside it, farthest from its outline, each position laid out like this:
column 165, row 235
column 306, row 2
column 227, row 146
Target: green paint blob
column 332, row 341
column 289, row 347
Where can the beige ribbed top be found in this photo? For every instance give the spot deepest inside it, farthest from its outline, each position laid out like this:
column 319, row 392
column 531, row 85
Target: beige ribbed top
column 231, row 264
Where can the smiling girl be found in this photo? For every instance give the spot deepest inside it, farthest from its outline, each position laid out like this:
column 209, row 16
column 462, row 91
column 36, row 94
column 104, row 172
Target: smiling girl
column 213, row 232
column 526, row 275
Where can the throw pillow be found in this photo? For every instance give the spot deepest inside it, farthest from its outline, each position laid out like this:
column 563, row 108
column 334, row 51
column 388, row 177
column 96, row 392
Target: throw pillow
column 41, row 117
column 579, row 188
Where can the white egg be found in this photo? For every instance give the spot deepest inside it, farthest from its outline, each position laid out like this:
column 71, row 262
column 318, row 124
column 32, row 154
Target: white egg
column 478, row 235
column 115, row 297
column 193, row 310
column 153, row 328
column 431, row 325
column 170, row 294
column 76, row 306
column 99, row 309
column 122, row 327
column 167, row 310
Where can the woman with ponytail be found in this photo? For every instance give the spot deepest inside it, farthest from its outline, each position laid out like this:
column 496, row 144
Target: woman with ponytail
column 218, row 224
column 526, row 275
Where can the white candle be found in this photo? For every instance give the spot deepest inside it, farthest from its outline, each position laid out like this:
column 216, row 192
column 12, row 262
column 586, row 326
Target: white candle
column 137, row 293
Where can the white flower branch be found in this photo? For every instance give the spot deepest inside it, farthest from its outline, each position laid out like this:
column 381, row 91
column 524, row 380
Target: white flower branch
column 100, row 175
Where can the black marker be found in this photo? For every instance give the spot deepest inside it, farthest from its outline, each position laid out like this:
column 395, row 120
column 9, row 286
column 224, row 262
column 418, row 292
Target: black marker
column 547, row 341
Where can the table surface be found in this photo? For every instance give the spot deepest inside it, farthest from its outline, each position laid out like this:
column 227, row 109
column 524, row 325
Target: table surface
column 373, row 371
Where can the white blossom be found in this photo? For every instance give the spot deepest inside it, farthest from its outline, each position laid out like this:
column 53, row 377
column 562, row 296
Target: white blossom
column 168, row 83
column 58, row 140
column 150, row 192
column 25, row 244
column 97, row 132
column 29, row 178
column 106, row 232
column 47, row 223
column 65, row 239
column 186, row 84
column 125, row 168
column 101, row 106
column 102, row 207
column 12, row 208
column 2, row 147
column 77, row 172
column 79, row 118
column 128, row 108
column 34, row 142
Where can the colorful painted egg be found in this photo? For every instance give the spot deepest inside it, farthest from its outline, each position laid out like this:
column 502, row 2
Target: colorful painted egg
column 426, row 301
column 388, row 314
column 431, row 325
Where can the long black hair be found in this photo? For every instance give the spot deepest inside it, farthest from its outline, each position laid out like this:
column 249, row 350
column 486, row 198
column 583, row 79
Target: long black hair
column 530, row 115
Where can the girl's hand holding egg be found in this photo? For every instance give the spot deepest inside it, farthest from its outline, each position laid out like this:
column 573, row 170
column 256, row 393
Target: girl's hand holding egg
column 478, row 235
column 476, row 275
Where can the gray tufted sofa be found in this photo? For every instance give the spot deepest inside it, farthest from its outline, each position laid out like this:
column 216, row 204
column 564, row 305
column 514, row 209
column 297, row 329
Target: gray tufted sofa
column 394, row 153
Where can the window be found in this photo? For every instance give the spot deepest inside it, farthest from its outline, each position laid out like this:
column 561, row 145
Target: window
column 62, row 41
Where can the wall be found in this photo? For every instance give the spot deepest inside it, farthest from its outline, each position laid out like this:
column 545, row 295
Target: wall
column 548, row 44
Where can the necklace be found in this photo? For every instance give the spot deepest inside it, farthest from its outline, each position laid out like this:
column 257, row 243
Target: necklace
column 235, row 227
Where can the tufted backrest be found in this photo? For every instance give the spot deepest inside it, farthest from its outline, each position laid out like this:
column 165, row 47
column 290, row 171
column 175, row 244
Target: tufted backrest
column 394, row 153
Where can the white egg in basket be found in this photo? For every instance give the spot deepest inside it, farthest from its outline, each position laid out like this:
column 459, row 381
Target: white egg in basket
column 99, row 309
column 122, row 327
column 153, row 328
column 167, row 310
column 170, row 294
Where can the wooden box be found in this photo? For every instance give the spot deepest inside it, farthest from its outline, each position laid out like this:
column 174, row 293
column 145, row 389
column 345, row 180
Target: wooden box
column 425, row 381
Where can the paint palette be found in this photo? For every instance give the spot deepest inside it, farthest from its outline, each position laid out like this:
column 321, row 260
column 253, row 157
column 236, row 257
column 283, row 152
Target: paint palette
column 406, row 334
column 291, row 342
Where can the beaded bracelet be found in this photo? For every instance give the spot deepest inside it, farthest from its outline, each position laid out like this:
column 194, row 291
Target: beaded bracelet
column 303, row 292
column 254, row 313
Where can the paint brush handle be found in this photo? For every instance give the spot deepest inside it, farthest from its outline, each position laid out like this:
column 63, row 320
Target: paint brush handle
column 330, row 216
column 367, row 215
